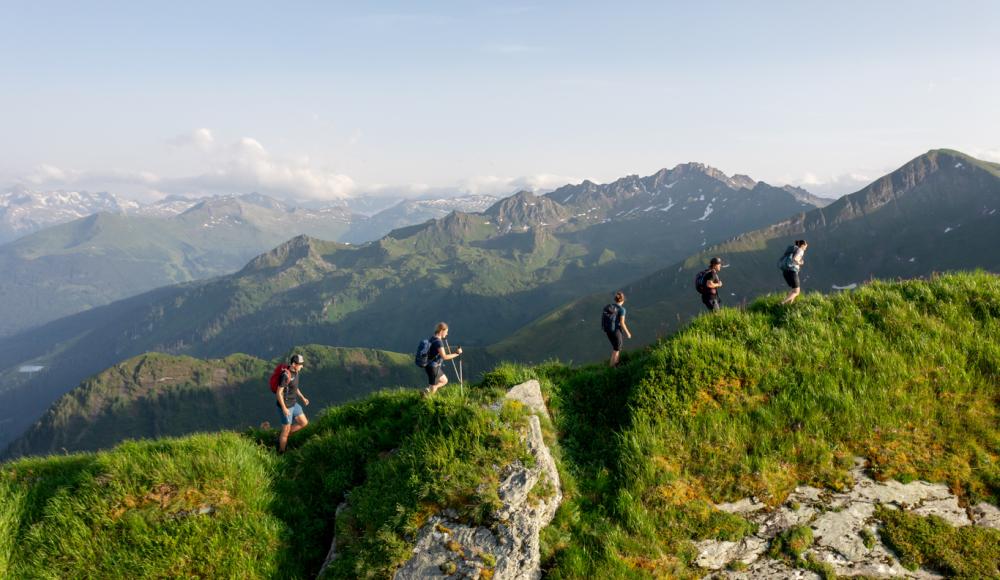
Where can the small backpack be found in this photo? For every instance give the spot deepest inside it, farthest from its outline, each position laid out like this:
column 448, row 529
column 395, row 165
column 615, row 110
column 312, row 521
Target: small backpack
column 699, row 281
column 609, row 318
column 276, row 376
column 423, row 349
column 787, row 262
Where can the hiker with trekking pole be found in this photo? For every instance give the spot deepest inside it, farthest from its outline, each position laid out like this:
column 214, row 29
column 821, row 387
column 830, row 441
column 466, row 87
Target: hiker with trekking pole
column 431, row 354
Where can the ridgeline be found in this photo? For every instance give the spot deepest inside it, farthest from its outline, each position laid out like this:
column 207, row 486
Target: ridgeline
column 745, row 403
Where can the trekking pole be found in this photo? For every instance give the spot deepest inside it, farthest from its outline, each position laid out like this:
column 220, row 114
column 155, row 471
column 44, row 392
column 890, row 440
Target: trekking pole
column 461, row 385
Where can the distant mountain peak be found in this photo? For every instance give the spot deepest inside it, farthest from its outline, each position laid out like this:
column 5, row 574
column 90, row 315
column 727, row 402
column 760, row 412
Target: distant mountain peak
column 299, row 251
column 524, row 210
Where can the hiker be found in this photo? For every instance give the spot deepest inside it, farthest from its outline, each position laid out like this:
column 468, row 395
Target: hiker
column 436, row 355
column 613, row 324
column 707, row 283
column 791, row 262
column 293, row 418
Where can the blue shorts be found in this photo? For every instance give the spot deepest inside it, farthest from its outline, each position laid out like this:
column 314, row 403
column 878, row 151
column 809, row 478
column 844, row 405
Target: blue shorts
column 295, row 412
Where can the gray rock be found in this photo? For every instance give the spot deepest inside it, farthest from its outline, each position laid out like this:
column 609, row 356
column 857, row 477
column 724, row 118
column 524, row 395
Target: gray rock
column 530, row 394
column 986, row 515
column 512, row 543
column 446, row 548
column 946, row 509
column 838, row 521
column 716, row 554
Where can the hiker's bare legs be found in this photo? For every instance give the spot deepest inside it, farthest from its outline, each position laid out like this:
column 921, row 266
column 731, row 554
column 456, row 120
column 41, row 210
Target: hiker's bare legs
column 286, row 430
column 441, row 382
column 283, row 437
column 791, row 296
column 300, row 424
column 614, row 358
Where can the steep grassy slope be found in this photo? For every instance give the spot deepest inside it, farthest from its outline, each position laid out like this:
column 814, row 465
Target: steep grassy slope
column 939, row 212
column 905, row 375
column 157, row 395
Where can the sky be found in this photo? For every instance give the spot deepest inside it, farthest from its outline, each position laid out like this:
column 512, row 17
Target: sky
column 325, row 100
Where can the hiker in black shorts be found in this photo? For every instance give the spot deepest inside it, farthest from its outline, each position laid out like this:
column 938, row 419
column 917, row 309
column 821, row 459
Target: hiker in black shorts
column 436, row 357
column 790, row 264
column 712, row 283
column 615, row 328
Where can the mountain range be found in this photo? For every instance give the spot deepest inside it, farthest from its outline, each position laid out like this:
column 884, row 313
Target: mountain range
column 487, row 273
column 939, row 212
column 127, row 249
column 509, row 278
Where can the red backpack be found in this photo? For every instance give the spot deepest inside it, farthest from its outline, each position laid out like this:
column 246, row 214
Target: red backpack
column 276, row 376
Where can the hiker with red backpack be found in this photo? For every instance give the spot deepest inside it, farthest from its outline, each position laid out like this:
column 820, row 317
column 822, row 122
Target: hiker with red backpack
column 613, row 325
column 707, row 283
column 285, row 385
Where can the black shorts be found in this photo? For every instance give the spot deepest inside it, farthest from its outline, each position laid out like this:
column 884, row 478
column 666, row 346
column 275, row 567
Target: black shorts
column 711, row 301
column 791, row 278
column 434, row 373
column 616, row 339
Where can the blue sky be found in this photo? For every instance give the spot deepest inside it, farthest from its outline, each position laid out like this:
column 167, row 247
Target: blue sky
column 325, row 99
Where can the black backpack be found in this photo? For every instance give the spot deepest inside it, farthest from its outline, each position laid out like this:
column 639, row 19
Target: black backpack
column 609, row 318
column 423, row 349
column 699, row 281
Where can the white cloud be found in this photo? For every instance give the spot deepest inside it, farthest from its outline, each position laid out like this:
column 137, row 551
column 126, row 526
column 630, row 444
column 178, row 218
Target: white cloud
column 239, row 167
column 247, row 165
column 830, row 185
column 986, row 154
column 494, row 185
column 202, row 139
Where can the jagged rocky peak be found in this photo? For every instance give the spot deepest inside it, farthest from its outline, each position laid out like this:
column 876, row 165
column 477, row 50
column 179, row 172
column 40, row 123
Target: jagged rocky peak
column 744, row 181
column 295, row 251
column 525, row 209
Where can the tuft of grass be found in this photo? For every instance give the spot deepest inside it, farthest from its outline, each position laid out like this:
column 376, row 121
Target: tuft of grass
column 792, row 543
column 930, row 542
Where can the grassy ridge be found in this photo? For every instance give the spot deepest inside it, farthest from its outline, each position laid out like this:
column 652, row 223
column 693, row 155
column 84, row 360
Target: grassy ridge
column 742, row 403
column 906, row 375
column 225, row 506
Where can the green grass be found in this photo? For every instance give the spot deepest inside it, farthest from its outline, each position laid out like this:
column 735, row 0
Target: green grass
column 755, row 402
column 737, row 404
column 135, row 509
column 929, row 542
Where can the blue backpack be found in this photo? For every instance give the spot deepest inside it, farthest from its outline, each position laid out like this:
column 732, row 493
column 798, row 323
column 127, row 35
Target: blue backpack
column 609, row 318
column 787, row 263
column 423, row 349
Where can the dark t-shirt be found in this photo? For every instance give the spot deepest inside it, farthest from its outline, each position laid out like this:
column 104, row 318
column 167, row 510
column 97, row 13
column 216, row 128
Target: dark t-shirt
column 290, row 382
column 618, row 319
column 434, row 354
column 712, row 276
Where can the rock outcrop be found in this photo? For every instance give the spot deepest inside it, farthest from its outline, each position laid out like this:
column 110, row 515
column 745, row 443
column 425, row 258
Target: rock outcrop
column 840, row 524
column 508, row 549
